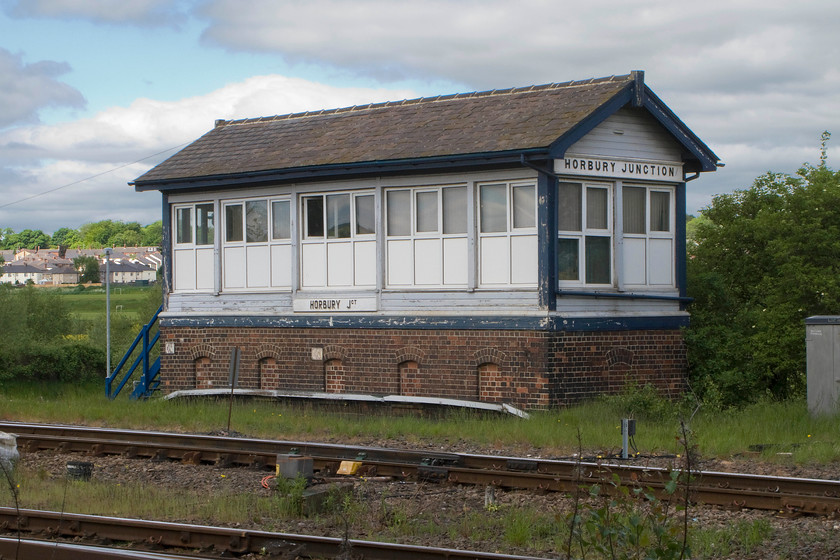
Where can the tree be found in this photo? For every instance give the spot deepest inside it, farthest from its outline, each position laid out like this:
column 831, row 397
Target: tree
column 33, row 239
column 153, row 234
column 8, row 238
column 761, row 261
column 89, row 268
column 66, row 237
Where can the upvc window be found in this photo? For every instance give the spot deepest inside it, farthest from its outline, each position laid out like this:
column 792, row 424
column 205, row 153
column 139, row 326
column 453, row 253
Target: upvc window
column 507, row 233
column 257, row 244
column 648, row 224
column 426, row 236
column 584, row 244
column 193, row 268
column 338, row 245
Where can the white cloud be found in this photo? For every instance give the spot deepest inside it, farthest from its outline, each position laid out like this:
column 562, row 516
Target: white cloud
column 26, row 88
column 40, row 158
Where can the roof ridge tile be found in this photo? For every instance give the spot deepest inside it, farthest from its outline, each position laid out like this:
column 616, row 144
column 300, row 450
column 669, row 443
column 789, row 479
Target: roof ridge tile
column 424, row 100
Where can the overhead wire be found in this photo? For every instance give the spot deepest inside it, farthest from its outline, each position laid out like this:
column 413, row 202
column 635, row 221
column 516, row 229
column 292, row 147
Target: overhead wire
column 36, row 195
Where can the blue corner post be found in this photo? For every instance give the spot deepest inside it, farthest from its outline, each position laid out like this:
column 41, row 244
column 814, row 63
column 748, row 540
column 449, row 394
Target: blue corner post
column 149, row 379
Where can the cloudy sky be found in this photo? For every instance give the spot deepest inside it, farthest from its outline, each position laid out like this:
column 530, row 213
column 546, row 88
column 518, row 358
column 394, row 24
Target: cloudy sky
column 95, row 92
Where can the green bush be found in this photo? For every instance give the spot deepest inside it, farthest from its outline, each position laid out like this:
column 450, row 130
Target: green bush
column 68, row 362
column 760, row 262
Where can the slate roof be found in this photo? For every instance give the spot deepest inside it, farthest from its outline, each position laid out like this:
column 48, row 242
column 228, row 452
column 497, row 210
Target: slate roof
column 490, row 122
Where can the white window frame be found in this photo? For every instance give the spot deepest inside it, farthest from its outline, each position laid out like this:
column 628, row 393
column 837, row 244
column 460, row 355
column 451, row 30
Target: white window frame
column 193, row 262
column 517, row 243
column 244, row 262
column 361, row 275
column 652, row 237
column 405, row 247
column 586, row 231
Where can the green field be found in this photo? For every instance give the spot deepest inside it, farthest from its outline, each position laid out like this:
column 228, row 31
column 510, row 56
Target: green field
column 89, row 304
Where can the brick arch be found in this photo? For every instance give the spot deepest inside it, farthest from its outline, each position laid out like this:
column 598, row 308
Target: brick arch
column 264, row 351
column 409, row 354
column 620, row 355
column 202, row 351
column 335, row 352
column 489, row 356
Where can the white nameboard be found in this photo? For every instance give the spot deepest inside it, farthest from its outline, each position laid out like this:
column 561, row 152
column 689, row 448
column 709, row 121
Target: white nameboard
column 619, row 168
column 334, row 305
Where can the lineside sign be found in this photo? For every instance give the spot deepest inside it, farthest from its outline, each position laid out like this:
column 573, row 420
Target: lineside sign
column 334, row 305
column 619, row 168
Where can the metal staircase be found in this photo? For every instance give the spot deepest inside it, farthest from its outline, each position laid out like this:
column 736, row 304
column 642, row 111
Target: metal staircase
column 149, row 380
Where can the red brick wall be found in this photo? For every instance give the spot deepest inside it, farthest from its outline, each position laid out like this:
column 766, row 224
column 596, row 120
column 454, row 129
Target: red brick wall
column 528, row 369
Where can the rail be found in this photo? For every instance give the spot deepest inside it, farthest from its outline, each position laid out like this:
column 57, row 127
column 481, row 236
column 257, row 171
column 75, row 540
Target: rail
column 734, row 490
column 223, row 541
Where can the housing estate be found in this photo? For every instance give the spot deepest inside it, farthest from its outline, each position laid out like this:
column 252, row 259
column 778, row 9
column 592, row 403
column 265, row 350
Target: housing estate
column 55, row 266
column 524, row 245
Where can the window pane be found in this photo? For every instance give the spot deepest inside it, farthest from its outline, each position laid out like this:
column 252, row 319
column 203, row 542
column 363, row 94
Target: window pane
column 524, row 209
column 256, row 221
column 204, row 227
column 281, row 227
column 427, row 211
column 660, row 211
column 568, row 207
column 183, row 225
column 399, row 212
column 365, row 215
column 455, row 210
column 314, row 207
column 233, row 222
column 596, row 208
column 338, row 216
column 493, row 208
column 568, row 259
column 634, row 209
column 598, row 260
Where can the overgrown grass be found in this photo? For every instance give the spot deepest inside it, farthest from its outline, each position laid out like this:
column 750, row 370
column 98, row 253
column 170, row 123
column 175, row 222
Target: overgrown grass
column 785, row 430
column 89, row 303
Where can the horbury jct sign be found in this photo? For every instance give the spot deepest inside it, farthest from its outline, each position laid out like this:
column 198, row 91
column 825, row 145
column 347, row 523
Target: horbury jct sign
column 619, row 169
column 334, row 305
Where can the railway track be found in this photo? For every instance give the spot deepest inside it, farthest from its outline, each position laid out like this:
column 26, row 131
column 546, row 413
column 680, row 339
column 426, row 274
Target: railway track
column 211, row 542
column 790, row 495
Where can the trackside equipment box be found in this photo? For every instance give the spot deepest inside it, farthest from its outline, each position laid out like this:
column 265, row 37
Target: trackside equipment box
column 822, row 343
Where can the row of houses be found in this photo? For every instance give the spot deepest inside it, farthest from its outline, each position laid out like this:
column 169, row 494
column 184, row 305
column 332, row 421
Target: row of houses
column 55, row 266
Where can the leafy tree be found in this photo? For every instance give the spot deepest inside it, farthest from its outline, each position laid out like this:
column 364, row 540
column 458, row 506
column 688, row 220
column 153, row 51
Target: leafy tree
column 66, row 237
column 761, row 261
column 98, row 234
column 32, row 239
column 89, row 267
column 8, row 238
column 153, row 234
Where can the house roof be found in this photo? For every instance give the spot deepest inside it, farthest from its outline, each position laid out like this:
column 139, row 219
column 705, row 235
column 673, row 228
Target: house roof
column 489, row 126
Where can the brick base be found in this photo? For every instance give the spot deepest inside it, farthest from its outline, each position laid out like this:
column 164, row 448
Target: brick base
column 528, row 369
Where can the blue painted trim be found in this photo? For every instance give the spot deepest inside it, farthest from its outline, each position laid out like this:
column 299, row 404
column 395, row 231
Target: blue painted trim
column 166, row 249
column 704, row 155
column 680, row 270
column 623, row 324
column 621, row 295
column 342, row 171
column 551, row 323
column 547, row 241
column 558, row 148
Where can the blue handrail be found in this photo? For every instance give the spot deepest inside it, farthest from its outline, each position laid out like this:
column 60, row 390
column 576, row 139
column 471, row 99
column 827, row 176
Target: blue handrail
column 149, row 380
